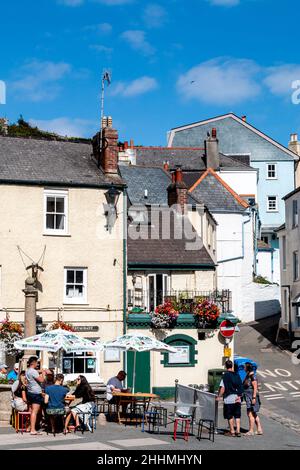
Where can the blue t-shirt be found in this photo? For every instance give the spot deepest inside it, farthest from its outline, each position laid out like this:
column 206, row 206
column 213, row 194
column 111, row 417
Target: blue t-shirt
column 57, row 395
column 12, row 375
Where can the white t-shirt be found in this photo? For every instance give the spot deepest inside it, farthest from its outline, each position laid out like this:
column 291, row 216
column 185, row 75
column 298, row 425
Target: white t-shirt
column 113, row 383
column 230, row 399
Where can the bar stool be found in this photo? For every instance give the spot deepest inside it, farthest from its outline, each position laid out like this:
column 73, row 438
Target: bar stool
column 25, row 417
column 208, row 424
column 186, row 423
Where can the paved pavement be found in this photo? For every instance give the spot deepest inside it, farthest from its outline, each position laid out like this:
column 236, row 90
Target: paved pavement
column 279, row 378
column 118, row 437
column 280, row 412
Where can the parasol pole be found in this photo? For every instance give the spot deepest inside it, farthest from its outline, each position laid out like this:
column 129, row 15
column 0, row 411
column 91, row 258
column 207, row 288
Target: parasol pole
column 134, row 366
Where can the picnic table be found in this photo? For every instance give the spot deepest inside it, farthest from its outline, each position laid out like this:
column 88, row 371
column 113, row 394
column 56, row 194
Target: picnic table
column 123, row 399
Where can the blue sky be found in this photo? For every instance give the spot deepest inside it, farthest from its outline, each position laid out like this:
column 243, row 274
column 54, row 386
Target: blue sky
column 173, row 62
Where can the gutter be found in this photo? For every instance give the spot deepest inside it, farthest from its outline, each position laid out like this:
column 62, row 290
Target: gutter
column 62, row 184
column 180, row 267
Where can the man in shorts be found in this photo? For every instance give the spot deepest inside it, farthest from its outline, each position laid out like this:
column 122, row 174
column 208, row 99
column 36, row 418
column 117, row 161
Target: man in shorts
column 231, row 389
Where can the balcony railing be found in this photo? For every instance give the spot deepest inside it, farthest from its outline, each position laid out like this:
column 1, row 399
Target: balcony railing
column 145, row 300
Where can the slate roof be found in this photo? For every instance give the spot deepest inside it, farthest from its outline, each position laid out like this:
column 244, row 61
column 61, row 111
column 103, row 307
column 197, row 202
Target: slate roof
column 216, row 194
column 49, row 162
column 188, row 158
column 170, row 252
column 153, row 179
column 235, row 137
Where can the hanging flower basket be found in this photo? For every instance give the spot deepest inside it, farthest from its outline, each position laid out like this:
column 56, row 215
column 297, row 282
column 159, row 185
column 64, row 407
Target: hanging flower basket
column 164, row 316
column 62, row 325
column 9, row 333
column 206, row 314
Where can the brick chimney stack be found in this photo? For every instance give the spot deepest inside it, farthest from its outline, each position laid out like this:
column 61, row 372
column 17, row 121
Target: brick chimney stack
column 178, row 191
column 108, row 158
column 212, row 150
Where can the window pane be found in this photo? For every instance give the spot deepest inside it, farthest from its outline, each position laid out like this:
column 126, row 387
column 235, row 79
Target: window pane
column 60, row 205
column 78, row 365
column 79, row 277
column 60, row 222
column 78, row 289
column 50, row 221
column 69, row 291
column 70, row 276
column 50, row 204
column 90, row 365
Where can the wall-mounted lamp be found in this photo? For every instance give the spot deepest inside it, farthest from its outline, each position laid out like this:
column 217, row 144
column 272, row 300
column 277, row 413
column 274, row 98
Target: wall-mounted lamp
column 112, row 197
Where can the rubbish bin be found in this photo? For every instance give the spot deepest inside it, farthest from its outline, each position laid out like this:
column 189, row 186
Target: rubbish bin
column 239, row 363
column 214, row 379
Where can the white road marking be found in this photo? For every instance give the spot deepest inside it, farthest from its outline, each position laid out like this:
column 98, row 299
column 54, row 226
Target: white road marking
column 275, row 398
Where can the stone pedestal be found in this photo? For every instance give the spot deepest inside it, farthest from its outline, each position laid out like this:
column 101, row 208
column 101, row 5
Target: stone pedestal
column 5, row 403
column 30, row 311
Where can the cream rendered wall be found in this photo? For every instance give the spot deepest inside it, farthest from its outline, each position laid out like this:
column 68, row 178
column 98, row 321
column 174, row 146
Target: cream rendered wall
column 242, row 182
column 210, row 356
column 206, row 228
column 179, row 280
column 88, row 244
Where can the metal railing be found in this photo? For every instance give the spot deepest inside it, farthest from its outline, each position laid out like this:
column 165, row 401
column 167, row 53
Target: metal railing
column 185, row 300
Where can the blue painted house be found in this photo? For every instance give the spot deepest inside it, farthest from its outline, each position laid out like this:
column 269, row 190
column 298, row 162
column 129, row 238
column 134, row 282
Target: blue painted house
column 275, row 164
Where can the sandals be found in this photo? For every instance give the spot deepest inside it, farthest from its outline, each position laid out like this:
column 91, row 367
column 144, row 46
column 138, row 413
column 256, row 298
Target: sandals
column 249, row 433
column 238, row 434
column 259, row 433
column 229, row 434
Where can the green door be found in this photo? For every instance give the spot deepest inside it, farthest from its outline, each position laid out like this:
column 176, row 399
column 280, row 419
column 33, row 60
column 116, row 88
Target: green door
column 142, row 374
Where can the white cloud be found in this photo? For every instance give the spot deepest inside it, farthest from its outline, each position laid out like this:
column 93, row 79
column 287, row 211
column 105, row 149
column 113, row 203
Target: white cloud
column 66, row 127
column 102, row 28
column 114, row 2
column 137, row 40
column 154, row 15
column 71, row 3
column 225, row 3
column 137, row 87
column 39, row 81
column 279, row 79
column 101, row 48
column 220, row 81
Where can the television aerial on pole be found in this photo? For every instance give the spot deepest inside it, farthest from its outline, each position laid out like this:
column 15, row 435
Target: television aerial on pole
column 105, row 79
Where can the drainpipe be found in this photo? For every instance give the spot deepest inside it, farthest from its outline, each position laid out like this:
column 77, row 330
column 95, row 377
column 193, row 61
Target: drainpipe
column 124, row 270
column 124, row 259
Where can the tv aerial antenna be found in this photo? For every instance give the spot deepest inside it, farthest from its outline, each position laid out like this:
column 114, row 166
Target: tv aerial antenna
column 105, row 80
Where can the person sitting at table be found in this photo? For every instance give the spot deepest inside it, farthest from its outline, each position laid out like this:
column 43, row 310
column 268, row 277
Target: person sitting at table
column 18, row 390
column 115, row 384
column 55, row 399
column 84, row 391
column 13, row 374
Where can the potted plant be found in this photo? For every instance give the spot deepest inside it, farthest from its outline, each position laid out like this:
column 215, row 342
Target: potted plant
column 165, row 315
column 63, row 325
column 9, row 333
column 206, row 314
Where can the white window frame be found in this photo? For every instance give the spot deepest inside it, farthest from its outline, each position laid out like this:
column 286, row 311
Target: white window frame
column 268, row 205
column 75, row 300
column 166, row 287
column 295, row 215
column 284, row 253
column 272, row 170
column 296, row 265
column 297, row 316
column 56, row 193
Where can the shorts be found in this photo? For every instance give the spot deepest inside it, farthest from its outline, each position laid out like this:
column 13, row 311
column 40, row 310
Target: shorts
column 232, row 410
column 35, row 398
column 55, row 411
column 250, row 407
